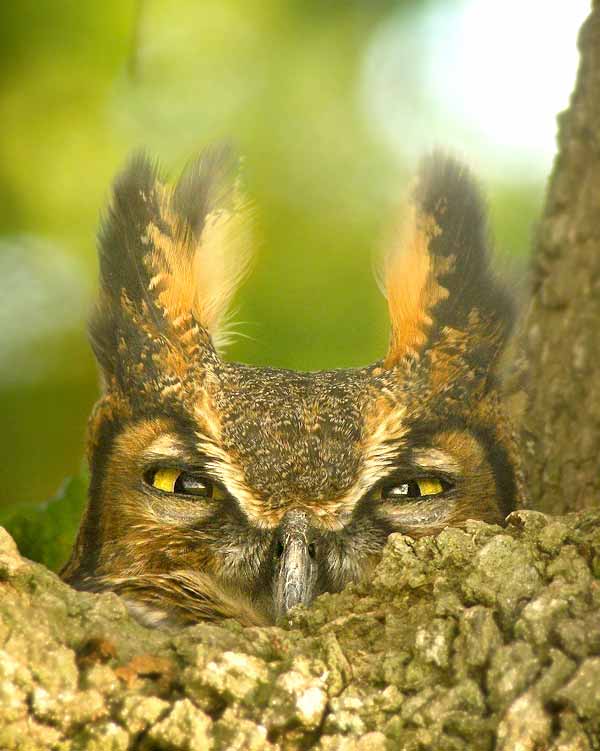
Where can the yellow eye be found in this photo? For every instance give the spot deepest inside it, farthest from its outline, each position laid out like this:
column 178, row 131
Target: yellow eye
column 430, row 486
column 425, row 486
column 165, row 479
column 172, row 480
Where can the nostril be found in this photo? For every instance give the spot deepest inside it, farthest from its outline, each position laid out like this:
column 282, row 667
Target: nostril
column 312, row 550
column 279, row 550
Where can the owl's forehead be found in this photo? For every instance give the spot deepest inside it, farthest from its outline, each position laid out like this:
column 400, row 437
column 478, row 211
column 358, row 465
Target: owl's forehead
column 293, row 434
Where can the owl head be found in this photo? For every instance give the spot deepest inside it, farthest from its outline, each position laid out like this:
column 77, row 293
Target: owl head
column 224, row 490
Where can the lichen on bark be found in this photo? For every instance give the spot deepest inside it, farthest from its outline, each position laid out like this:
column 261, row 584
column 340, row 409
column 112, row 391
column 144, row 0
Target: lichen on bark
column 483, row 638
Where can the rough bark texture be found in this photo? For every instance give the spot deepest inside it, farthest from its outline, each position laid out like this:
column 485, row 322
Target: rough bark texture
column 562, row 345
column 481, row 639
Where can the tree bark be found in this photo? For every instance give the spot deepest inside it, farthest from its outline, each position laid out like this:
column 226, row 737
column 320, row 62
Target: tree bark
column 561, row 425
column 478, row 640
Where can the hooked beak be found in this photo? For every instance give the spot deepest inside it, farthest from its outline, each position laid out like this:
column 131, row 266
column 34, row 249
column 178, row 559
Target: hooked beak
column 296, row 566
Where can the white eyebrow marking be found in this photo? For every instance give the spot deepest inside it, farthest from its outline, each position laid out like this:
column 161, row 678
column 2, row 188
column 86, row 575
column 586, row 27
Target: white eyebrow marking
column 436, row 460
column 165, row 445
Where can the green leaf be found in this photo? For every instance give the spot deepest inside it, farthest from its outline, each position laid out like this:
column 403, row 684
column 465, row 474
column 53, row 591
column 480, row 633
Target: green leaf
column 45, row 532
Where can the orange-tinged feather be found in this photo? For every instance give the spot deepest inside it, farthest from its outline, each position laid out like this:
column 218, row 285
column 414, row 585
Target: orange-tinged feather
column 193, row 278
column 412, row 287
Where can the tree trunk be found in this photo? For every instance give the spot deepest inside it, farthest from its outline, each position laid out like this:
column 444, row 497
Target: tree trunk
column 561, row 425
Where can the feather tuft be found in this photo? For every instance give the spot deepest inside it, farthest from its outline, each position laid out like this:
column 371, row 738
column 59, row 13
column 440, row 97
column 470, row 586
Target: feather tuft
column 171, row 260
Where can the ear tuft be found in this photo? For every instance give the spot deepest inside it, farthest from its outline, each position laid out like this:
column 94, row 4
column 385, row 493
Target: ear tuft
column 123, row 276
column 439, row 279
column 209, row 202
column 206, row 183
column 170, row 259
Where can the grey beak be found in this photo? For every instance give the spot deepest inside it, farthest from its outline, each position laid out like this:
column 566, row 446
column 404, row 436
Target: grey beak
column 296, row 566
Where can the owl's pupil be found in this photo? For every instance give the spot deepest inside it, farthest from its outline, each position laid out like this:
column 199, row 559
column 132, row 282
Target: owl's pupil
column 189, row 485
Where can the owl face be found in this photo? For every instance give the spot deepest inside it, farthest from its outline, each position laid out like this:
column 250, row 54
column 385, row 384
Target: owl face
column 223, row 490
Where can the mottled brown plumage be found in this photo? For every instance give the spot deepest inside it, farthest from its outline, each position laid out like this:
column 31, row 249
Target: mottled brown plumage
column 223, row 490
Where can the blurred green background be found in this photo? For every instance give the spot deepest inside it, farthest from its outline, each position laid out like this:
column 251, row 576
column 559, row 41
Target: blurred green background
column 330, row 102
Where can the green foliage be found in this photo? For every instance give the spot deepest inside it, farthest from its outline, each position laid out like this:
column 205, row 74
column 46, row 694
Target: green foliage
column 45, row 532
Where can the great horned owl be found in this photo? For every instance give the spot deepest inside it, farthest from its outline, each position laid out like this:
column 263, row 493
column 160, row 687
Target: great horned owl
column 225, row 490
